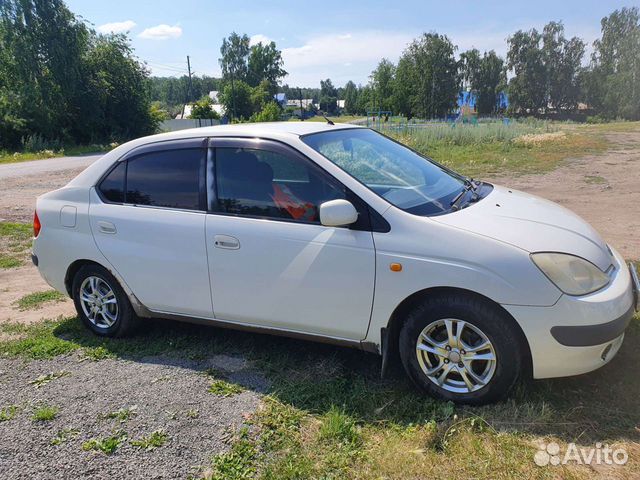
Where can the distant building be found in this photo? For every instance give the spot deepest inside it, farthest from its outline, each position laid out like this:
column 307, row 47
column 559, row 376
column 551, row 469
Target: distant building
column 340, row 104
column 467, row 101
column 306, row 102
column 281, row 98
column 216, row 106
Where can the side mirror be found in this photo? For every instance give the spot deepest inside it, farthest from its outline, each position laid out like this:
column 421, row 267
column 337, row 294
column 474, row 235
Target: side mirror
column 337, row 213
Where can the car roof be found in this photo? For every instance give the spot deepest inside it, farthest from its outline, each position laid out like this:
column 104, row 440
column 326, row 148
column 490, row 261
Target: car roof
column 259, row 129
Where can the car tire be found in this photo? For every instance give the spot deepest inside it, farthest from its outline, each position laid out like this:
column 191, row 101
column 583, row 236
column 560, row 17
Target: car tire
column 461, row 369
column 101, row 303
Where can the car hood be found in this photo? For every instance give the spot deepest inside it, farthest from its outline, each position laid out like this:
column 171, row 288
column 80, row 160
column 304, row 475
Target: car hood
column 531, row 223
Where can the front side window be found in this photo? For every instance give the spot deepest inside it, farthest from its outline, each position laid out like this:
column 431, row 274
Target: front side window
column 269, row 184
column 399, row 175
column 168, row 178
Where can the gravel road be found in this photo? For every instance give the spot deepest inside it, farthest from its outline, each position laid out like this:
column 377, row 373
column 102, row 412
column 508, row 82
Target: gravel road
column 40, row 167
column 163, row 393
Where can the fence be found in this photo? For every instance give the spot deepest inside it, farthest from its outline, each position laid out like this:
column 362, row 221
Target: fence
column 182, row 124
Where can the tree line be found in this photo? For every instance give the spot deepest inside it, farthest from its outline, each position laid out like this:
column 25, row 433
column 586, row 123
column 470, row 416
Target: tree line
column 61, row 81
column 543, row 74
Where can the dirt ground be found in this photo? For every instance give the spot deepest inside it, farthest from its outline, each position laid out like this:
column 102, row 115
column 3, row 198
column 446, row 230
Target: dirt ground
column 603, row 189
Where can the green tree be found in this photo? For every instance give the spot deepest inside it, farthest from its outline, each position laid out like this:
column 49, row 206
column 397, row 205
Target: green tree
column 237, row 100
column 269, row 113
column 265, row 64
column 382, row 80
column 612, row 84
column 61, row 81
column 470, row 69
column 428, row 77
column 351, row 98
column 234, row 54
column 528, row 87
column 562, row 59
column 328, row 97
column 490, row 80
column 403, row 95
column 203, row 109
column 116, row 102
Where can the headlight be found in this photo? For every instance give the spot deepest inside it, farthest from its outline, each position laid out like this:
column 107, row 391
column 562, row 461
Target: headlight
column 573, row 275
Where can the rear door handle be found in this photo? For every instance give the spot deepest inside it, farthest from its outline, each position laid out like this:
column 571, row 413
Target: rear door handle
column 106, row 227
column 226, row 241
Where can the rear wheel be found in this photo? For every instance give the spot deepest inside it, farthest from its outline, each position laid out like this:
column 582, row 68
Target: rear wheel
column 461, row 348
column 101, row 303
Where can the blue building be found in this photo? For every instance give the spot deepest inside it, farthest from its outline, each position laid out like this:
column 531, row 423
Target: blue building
column 469, row 99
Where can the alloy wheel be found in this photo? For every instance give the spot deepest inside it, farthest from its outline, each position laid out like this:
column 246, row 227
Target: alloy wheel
column 99, row 302
column 456, row 355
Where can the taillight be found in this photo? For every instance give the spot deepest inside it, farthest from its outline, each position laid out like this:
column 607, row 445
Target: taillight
column 36, row 224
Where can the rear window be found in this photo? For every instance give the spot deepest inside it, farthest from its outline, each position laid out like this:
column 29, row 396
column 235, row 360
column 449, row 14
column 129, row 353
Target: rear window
column 165, row 179
column 112, row 187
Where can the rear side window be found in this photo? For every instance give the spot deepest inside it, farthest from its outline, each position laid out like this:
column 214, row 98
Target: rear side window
column 112, row 187
column 166, row 179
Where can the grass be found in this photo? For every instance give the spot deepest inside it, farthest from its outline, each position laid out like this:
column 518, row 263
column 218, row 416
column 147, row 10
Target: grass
column 329, row 415
column 106, row 445
column 14, row 157
column 36, row 300
column 488, row 150
column 595, row 179
column 15, row 243
column 223, row 388
column 154, row 440
column 8, row 413
column 45, row 413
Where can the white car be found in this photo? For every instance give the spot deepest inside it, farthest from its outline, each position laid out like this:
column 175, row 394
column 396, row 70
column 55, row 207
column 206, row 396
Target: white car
column 340, row 234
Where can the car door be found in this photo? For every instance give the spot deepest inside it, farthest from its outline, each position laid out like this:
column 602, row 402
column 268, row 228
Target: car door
column 148, row 219
column 271, row 262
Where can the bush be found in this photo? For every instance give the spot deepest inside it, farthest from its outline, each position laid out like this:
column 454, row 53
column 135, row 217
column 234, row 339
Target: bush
column 270, row 113
column 37, row 143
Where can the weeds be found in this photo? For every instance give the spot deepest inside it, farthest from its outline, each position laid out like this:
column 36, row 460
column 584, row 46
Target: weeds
column 154, row 440
column 64, row 435
column 224, row 388
column 107, row 445
column 8, row 413
column 237, row 463
column 15, row 241
column 122, row 414
column 45, row 413
column 36, row 300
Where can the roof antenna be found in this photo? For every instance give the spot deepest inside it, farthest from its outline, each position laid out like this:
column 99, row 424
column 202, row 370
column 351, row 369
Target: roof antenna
column 327, row 119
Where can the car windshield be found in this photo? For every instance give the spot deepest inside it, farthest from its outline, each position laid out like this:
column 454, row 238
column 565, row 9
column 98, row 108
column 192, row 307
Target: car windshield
column 407, row 180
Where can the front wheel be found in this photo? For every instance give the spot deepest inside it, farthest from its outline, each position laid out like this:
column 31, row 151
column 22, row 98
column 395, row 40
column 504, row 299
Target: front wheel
column 461, row 348
column 101, row 303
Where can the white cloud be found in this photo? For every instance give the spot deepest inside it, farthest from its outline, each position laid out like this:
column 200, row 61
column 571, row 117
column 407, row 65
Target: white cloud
column 161, row 32
column 342, row 56
column 259, row 38
column 116, row 27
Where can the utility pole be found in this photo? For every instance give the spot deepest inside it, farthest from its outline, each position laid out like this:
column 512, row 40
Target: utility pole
column 300, row 96
column 190, row 84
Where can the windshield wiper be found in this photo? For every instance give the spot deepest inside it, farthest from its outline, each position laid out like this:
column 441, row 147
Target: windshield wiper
column 470, row 185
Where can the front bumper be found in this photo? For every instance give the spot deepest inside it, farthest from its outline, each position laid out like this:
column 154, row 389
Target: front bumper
column 578, row 334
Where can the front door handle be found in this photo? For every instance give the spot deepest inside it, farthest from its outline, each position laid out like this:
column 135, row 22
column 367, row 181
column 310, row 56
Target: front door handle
column 226, row 241
column 106, row 227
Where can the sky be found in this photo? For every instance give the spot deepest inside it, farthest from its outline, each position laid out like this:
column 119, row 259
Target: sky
column 337, row 39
